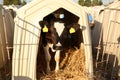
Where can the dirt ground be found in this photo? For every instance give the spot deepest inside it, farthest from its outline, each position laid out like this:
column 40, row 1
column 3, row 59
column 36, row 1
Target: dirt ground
column 72, row 66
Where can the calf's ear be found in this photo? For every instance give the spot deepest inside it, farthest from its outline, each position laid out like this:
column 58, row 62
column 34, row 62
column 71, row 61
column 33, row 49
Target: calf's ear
column 79, row 25
column 41, row 23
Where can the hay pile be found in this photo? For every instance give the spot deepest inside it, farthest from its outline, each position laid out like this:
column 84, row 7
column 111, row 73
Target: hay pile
column 72, row 67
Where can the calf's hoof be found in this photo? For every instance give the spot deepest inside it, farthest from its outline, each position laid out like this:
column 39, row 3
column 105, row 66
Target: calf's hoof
column 56, row 70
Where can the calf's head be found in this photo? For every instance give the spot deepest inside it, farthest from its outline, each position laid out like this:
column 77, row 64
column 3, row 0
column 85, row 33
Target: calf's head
column 48, row 33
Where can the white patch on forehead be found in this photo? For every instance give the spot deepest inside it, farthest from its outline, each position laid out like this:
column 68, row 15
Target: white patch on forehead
column 59, row 27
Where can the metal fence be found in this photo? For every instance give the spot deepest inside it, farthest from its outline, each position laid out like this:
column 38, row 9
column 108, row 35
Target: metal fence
column 6, row 39
column 107, row 61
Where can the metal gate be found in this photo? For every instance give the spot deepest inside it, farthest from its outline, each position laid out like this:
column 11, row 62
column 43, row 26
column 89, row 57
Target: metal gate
column 107, row 61
column 6, row 39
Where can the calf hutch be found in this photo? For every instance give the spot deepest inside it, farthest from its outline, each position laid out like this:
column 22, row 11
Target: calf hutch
column 28, row 33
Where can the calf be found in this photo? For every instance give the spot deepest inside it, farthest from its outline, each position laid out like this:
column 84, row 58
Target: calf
column 58, row 36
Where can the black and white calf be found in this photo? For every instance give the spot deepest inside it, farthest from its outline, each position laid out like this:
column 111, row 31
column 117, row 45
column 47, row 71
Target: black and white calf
column 59, row 36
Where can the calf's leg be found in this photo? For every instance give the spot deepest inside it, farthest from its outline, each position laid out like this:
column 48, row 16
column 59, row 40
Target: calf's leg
column 47, row 57
column 57, row 59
